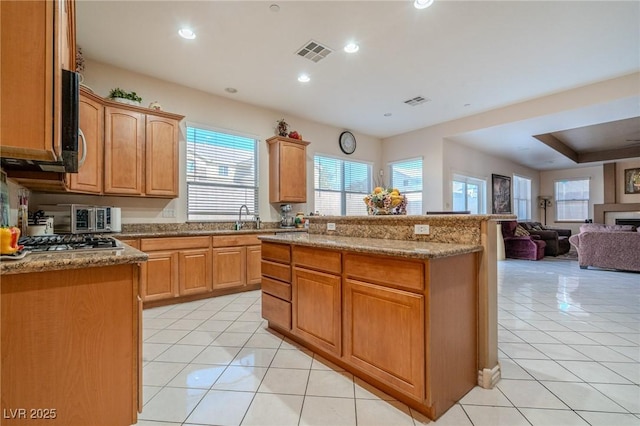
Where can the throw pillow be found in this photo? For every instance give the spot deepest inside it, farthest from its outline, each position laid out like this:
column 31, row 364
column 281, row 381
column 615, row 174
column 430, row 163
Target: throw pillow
column 520, row 231
column 537, row 228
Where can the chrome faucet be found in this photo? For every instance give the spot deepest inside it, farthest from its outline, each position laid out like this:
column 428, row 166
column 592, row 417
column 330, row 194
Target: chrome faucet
column 240, row 222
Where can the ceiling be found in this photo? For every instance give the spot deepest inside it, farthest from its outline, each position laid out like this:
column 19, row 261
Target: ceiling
column 464, row 57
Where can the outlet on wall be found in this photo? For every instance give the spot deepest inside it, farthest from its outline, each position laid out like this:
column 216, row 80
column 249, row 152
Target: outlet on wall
column 168, row 213
column 331, row 226
column 421, row 229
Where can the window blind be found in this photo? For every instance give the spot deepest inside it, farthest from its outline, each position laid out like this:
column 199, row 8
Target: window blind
column 221, row 174
column 522, row 197
column 406, row 176
column 340, row 186
column 572, row 199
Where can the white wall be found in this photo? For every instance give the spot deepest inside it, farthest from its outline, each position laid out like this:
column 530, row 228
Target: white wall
column 219, row 112
column 460, row 159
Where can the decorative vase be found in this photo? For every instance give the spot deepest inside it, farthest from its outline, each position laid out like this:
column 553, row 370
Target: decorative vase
column 126, row 101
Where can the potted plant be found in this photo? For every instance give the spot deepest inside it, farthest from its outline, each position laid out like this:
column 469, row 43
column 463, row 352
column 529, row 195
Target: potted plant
column 120, row 95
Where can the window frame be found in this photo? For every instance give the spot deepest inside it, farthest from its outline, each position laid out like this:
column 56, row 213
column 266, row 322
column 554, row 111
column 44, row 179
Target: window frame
column 528, row 200
column 343, row 193
column 558, row 200
column 228, row 215
column 390, row 166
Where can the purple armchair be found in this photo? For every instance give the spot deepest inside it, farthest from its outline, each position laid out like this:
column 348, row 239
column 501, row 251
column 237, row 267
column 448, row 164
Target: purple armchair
column 529, row 247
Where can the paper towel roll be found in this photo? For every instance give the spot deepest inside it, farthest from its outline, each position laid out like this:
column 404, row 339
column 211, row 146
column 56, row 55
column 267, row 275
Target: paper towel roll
column 116, row 219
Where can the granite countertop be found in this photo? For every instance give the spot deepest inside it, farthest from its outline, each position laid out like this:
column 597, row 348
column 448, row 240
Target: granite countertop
column 200, row 232
column 400, row 248
column 38, row 262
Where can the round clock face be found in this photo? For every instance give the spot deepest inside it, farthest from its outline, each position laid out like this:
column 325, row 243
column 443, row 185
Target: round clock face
column 347, row 142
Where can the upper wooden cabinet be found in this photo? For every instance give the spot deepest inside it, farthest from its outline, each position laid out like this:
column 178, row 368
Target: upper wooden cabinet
column 90, row 173
column 141, row 151
column 287, row 170
column 37, row 41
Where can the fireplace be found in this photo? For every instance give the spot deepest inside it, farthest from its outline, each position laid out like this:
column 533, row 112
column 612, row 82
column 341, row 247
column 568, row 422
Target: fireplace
column 634, row 222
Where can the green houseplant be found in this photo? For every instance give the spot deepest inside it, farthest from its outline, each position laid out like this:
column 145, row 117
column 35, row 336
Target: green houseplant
column 120, row 95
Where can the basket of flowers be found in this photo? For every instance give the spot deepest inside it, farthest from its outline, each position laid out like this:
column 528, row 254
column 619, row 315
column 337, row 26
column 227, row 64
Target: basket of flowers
column 385, row 201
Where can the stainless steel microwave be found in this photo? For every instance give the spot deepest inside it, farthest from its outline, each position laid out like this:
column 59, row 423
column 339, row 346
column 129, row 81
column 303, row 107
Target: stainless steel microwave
column 83, row 219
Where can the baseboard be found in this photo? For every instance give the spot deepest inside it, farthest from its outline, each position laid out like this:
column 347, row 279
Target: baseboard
column 489, row 377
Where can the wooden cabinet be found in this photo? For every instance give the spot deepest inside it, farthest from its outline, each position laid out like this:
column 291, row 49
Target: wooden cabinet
column 159, row 278
column 178, row 266
column 37, row 41
column 316, row 297
column 90, row 173
column 379, row 320
column 287, row 170
column 230, row 264
column 408, row 326
column 236, row 261
column 276, row 284
column 124, row 140
column 70, row 346
column 141, row 152
column 161, row 150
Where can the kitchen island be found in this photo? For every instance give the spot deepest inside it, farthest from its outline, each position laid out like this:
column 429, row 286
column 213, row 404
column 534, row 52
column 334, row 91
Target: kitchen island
column 70, row 339
column 412, row 314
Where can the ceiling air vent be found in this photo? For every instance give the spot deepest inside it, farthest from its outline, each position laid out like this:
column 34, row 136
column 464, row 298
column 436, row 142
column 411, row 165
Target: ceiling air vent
column 314, row 51
column 418, row 100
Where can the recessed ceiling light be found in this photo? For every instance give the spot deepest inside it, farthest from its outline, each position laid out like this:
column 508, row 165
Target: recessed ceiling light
column 274, row 8
column 351, row 48
column 387, row 114
column 422, row 4
column 231, row 90
column 304, row 78
column 187, row 33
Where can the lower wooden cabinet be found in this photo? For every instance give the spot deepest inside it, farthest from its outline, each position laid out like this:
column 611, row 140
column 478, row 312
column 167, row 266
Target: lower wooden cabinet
column 194, row 268
column 316, row 310
column 70, row 347
column 159, row 278
column 377, row 321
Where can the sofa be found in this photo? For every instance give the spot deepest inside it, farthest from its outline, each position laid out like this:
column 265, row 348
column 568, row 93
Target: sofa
column 556, row 239
column 529, row 247
column 608, row 246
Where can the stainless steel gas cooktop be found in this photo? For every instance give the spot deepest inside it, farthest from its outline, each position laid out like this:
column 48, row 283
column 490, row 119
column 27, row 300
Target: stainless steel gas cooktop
column 69, row 242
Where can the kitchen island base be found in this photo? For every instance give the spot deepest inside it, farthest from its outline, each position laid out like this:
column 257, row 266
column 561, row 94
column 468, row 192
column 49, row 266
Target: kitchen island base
column 408, row 326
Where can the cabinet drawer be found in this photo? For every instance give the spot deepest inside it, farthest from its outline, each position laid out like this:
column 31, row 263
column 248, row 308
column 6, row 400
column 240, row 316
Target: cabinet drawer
column 276, row 311
column 174, row 243
column 235, row 240
column 276, row 270
column 322, row 260
column 133, row 243
column 276, row 288
column 386, row 271
column 276, row 252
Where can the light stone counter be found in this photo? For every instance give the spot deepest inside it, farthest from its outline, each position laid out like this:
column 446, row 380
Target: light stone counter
column 41, row 262
column 409, row 249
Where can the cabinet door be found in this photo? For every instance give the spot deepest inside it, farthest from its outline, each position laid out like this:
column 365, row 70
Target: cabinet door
column 316, row 309
column 124, row 136
column 229, row 267
column 293, row 173
column 384, row 335
column 195, row 271
column 159, row 278
column 254, row 270
column 89, row 176
column 27, row 83
column 161, row 152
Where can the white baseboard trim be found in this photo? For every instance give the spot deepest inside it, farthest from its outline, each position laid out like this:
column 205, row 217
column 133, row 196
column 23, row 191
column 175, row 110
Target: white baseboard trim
column 489, row 377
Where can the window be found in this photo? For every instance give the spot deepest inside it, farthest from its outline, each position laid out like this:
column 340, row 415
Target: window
column 406, row 176
column 572, row 199
column 468, row 194
column 522, row 197
column 221, row 174
column 340, row 186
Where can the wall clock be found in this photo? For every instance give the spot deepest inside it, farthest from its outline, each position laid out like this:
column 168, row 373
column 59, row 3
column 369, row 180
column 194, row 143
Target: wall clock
column 347, row 142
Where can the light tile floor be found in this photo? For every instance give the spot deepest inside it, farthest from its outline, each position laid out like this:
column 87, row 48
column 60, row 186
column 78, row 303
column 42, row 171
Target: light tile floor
column 569, row 343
